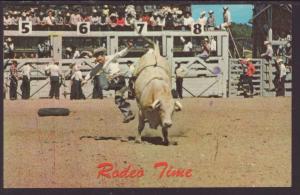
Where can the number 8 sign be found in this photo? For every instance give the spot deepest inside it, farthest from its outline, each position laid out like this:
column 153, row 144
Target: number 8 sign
column 196, row 29
column 83, row 28
column 25, row 27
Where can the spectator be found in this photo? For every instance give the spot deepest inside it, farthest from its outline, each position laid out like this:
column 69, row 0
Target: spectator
column 129, row 21
column 188, row 21
column 8, row 49
column 180, row 72
column 67, row 20
column 282, row 76
column 188, row 46
column 41, row 49
column 105, row 10
column 112, row 22
column 120, row 20
column 169, row 21
column 68, row 53
column 55, row 73
column 76, row 53
column 76, row 78
column 48, row 48
column 25, row 86
column 161, row 21
column 203, row 20
column 75, row 18
column 95, row 18
column 85, row 17
column 178, row 21
column 211, row 21
column 249, row 74
column 24, row 17
column 205, row 49
column 213, row 47
column 50, row 19
column 13, row 80
column 41, row 20
column 7, row 21
column 288, row 53
column 130, row 9
column 15, row 18
column 146, row 18
column 268, row 56
column 59, row 19
column 103, row 20
column 226, row 18
column 33, row 18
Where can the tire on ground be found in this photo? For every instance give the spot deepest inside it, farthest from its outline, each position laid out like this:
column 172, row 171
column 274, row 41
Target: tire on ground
column 53, row 112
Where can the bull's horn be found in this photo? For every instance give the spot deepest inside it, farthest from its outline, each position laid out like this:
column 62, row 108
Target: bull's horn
column 155, row 104
column 178, row 106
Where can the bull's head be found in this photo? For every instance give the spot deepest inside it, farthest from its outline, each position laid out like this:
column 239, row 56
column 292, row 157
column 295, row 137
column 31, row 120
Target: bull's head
column 166, row 107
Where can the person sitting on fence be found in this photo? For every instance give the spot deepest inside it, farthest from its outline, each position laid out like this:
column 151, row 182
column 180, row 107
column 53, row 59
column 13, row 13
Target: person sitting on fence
column 211, row 21
column 203, row 21
column 248, row 77
column 226, row 18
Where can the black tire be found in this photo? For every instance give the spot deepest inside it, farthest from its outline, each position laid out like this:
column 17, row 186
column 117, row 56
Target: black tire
column 53, row 112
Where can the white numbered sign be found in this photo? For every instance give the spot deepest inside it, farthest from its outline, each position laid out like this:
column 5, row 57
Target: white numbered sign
column 141, row 27
column 83, row 28
column 25, row 27
column 197, row 28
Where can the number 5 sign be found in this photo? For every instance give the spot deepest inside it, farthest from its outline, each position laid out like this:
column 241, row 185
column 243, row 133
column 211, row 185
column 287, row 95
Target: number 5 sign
column 25, row 27
column 83, row 28
column 141, row 27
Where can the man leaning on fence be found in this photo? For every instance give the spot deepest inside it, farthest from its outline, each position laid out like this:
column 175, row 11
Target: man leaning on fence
column 55, row 73
column 25, row 86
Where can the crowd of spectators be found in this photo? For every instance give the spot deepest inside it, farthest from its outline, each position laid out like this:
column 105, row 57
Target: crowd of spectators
column 107, row 17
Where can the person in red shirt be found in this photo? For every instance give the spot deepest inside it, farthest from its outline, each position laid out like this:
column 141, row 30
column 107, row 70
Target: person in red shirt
column 249, row 73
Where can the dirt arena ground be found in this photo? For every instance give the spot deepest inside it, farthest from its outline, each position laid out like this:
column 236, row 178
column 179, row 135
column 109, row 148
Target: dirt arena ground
column 225, row 142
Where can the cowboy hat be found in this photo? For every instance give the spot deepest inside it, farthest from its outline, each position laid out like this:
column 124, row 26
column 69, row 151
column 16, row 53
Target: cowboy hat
column 210, row 12
column 225, row 7
column 98, row 51
column 203, row 13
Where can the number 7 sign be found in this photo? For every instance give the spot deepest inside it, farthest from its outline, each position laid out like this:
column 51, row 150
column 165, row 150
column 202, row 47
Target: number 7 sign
column 141, row 27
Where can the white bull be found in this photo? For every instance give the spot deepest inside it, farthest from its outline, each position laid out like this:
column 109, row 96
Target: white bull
column 153, row 93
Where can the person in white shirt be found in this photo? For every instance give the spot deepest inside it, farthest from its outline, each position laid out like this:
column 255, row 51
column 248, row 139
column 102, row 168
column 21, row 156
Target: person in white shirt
column 55, row 73
column 76, row 53
column 7, row 21
column 226, row 18
column 50, row 19
column 110, row 67
column 76, row 78
column 188, row 21
column 75, row 18
column 188, row 46
column 203, row 20
column 180, row 72
column 282, row 76
column 25, row 86
column 213, row 46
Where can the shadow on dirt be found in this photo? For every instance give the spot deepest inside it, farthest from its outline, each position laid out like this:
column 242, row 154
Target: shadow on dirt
column 151, row 140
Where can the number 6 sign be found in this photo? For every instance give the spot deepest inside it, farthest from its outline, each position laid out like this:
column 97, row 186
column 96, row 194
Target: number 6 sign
column 83, row 28
column 25, row 27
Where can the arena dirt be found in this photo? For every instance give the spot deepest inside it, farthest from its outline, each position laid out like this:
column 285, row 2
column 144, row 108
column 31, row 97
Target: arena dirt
column 226, row 142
